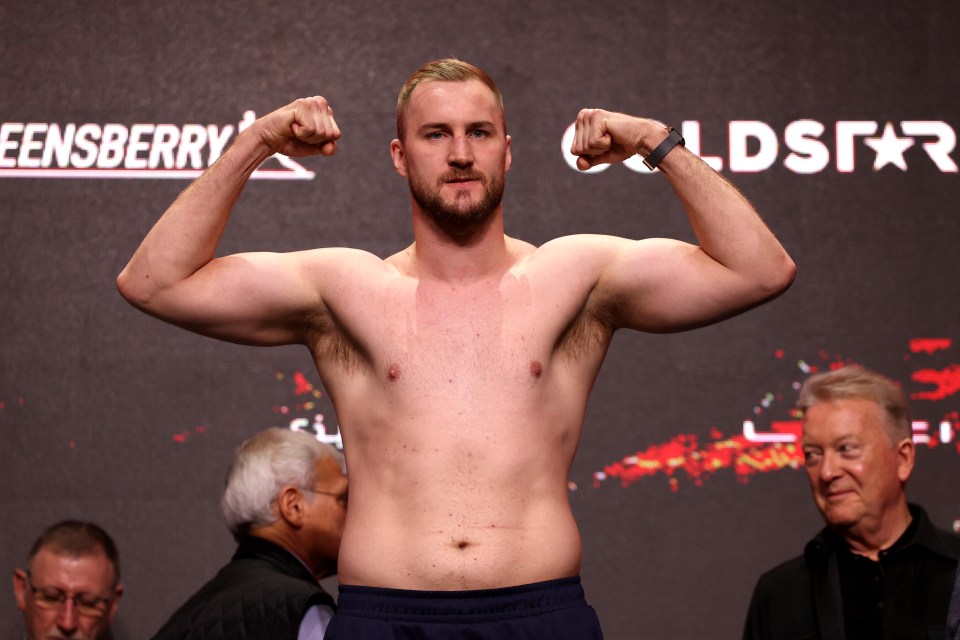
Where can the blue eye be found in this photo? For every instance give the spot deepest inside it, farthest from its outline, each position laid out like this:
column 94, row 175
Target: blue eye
column 479, row 133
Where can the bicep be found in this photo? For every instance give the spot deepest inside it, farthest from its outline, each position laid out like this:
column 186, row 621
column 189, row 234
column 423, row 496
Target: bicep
column 662, row 285
column 250, row 298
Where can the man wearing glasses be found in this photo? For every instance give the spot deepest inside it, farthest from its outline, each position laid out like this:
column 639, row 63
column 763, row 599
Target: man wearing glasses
column 71, row 586
column 285, row 503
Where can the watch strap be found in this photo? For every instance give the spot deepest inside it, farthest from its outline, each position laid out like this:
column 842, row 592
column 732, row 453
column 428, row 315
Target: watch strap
column 673, row 139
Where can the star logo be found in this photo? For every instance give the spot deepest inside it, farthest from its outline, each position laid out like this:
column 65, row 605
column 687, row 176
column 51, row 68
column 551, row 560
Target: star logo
column 889, row 148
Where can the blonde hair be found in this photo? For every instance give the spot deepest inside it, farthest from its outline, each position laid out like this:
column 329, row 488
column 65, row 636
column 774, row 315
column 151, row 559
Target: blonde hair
column 444, row 70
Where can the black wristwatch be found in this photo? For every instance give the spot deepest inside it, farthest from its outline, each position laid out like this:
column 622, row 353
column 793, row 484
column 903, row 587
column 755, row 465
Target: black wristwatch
column 673, row 139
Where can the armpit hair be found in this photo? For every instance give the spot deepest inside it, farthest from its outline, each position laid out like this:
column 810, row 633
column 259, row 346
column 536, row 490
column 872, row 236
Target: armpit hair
column 589, row 331
column 329, row 344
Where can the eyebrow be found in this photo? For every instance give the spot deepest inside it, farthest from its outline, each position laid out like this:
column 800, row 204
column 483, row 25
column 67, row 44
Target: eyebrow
column 846, row 437
column 444, row 126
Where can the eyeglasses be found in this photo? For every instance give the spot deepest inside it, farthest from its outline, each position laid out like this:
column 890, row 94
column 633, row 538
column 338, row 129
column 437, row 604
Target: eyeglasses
column 54, row 598
column 341, row 498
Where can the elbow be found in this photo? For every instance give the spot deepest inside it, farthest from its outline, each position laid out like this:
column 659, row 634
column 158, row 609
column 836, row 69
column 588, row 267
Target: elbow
column 132, row 289
column 779, row 278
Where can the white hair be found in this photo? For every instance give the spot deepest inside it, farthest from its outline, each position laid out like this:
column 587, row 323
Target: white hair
column 262, row 466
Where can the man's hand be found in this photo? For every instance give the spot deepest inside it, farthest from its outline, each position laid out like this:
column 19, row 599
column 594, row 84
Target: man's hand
column 606, row 137
column 305, row 127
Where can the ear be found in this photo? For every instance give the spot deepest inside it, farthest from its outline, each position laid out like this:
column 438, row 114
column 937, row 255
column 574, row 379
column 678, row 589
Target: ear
column 116, row 602
column 399, row 160
column 290, row 506
column 20, row 588
column 508, row 158
column 906, row 453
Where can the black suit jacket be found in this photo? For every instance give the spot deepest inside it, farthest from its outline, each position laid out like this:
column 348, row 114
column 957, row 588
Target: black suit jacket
column 801, row 599
column 263, row 592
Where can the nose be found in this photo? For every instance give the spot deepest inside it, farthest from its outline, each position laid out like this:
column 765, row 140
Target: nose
column 67, row 622
column 829, row 469
column 461, row 152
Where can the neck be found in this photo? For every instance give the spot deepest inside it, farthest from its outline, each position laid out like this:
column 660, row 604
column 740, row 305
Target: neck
column 872, row 538
column 458, row 255
column 282, row 537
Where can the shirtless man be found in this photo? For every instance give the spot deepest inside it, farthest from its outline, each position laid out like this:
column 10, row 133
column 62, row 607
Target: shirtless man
column 459, row 367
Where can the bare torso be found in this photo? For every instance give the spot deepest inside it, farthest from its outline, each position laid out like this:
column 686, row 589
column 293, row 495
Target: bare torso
column 459, row 368
column 461, row 407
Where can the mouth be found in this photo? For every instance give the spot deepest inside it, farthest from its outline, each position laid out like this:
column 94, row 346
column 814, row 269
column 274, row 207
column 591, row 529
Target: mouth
column 835, row 495
column 462, row 178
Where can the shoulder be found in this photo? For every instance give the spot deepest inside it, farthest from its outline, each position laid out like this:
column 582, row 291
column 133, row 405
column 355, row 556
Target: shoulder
column 941, row 541
column 782, row 604
column 951, row 541
column 785, row 576
column 583, row 243
column 624, row 255
column 336, row 257
column 336, row 272
column 582, row 251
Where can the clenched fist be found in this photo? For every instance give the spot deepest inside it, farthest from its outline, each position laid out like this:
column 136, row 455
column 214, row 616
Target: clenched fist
column 305, row 127
column 606, row 137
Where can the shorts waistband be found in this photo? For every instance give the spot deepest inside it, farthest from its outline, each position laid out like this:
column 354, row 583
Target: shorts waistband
column 515, row 601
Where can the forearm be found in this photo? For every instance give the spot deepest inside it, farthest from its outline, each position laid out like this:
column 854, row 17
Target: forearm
column 727, row 227
column 668, row 285
column 186, row 236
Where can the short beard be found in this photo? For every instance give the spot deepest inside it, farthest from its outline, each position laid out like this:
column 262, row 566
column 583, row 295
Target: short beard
column 463, row 214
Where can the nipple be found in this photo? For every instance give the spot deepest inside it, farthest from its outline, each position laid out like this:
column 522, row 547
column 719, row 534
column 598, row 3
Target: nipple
column 393, row 372
column 536, row 368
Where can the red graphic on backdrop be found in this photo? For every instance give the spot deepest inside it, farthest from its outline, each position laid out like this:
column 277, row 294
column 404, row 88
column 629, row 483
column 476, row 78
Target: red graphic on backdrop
column 19, row 402
column 946, row 380
column 305, row 414
column 762, row 452
column 683, row 453
column 929, row 345
column 301, row 384
column 184, row 435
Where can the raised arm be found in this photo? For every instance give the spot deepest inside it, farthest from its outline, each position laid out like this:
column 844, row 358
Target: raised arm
column 668, row 285
column 257, row 298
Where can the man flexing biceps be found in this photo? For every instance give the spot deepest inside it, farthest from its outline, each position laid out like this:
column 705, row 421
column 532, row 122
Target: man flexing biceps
column 459, row 367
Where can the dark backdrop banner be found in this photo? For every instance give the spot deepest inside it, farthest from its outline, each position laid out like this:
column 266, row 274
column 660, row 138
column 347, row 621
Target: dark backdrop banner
column 837, row 119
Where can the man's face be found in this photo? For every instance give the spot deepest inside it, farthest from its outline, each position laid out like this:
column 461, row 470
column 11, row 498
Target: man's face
column 455, row 152
column 325, row 513
column 857, row 473
column 90, row 576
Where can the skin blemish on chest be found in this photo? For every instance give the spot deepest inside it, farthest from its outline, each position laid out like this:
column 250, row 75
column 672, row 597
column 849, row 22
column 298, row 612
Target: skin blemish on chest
column 536, row 368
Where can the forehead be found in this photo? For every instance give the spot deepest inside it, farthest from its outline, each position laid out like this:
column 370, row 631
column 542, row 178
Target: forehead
column 438, row 101
column 849, row 417
column 90, row 572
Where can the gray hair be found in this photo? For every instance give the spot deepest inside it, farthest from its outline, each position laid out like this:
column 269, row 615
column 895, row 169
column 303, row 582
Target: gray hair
column 262, row 466
column 856, row 382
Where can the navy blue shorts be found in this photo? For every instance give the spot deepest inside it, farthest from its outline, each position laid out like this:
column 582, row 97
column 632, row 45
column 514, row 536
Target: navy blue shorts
column 555, row 609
